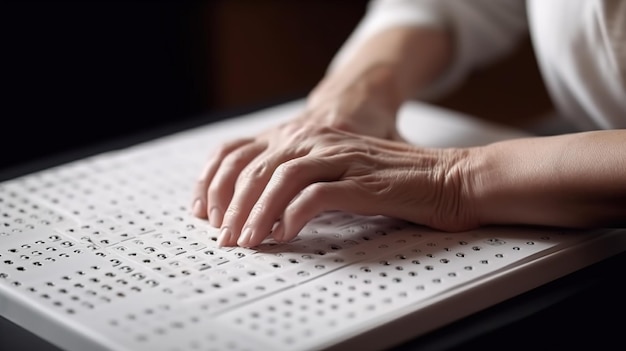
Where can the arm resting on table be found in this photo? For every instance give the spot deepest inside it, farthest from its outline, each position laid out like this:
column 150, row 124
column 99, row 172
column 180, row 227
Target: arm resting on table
column 572, row 180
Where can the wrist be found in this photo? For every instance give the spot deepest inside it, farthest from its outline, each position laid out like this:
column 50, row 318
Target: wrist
column 456, row 208
column 374, row 84
column 513, row 183
column 497, row 189
column 364, row 104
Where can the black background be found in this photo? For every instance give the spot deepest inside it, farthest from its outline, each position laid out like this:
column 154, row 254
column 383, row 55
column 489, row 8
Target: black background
column 77, row 73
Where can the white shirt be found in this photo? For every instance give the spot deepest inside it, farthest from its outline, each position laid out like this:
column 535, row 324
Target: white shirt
column 579, row 44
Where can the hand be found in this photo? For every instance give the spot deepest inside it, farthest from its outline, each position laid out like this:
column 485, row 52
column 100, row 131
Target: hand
column 353, row 102
column 277, row 182
column 363, row 106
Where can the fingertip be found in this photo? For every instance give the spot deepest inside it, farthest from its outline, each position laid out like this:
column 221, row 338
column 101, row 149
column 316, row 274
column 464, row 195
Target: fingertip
column 286, row 237
column 244, row 239
column 278, row 232
column 197, row 208
column 224, row 237
column 293, row 223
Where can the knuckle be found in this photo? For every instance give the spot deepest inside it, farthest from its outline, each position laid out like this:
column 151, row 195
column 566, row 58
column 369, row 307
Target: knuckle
column 298, row 134
column 258, row 208
column 231, row 211
column 316, row 192
column 255, row 171
column 289, row 169
column 237, row 158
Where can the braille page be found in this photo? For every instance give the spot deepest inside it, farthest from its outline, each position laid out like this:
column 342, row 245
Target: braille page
column 103, row 254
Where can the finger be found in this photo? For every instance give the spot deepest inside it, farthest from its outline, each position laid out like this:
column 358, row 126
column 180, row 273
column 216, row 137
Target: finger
column 284, row 185
column 249, row 187
column 278, row 230
column 199, row 205
column 343, row 195
column 222, row 185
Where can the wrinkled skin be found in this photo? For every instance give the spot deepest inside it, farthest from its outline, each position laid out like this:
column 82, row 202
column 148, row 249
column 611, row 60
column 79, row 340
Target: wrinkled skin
column 288, row 175
column 342, row 153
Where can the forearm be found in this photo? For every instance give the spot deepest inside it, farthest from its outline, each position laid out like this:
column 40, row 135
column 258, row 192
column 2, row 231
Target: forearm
column 390, row 66
column 575, row 180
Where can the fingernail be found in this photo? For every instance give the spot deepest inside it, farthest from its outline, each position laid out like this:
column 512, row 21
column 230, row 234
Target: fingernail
column 244, row 239
column 224, row 237
column 214, row 217
column 197, row 207
column 278, row 231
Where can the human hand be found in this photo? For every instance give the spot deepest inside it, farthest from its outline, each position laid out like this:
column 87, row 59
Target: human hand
column 363, row 106
column 275, row 183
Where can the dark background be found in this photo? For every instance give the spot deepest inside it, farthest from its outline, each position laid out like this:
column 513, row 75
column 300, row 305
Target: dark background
column 81, row 73
column 78, row 73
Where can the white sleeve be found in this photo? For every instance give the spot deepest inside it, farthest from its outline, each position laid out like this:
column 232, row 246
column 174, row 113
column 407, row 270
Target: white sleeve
column 484, row 30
